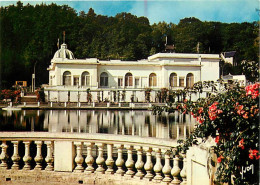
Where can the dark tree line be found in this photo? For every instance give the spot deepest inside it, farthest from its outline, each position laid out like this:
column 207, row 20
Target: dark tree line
column 29, row 34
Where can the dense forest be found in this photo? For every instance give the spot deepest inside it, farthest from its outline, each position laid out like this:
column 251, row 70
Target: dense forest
column 29, row 34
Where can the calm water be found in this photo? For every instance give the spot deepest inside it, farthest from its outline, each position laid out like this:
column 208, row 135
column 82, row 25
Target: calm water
column 138, row 123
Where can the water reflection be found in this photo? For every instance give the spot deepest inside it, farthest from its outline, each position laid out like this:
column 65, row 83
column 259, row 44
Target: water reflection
column 137, row 123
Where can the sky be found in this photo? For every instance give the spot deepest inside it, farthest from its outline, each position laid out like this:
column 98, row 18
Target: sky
column 227, row 11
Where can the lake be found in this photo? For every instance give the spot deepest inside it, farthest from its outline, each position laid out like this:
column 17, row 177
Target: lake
column 123, row 122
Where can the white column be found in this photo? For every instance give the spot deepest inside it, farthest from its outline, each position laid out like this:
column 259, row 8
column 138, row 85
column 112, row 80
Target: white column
column 109, row 161
column 49, row 158
column 3, row 156
column 183, row 171
column 167, row 167
column 100, row 159
column 148, row 165
column 79, row 159
column 158, row 165
column 27, row 159
column 120, row 160
column 129, row 162
column 139, row 163
column 15, row 157
column 38, row 158
column 89, row 159
column 175, row 171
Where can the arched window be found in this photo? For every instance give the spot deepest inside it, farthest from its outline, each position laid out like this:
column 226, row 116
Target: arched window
column 173, row 80
column 152, row 80
column 85, row 79
column 104, row 79
column 128, row 79
column 189, row 80
column 67, row 78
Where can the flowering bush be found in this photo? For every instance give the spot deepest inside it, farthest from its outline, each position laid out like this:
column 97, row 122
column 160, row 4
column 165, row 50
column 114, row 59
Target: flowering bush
column 232, row 118
column 9, row 94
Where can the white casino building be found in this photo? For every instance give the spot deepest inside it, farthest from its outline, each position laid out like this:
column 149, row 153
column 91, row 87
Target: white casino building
column 69, row 78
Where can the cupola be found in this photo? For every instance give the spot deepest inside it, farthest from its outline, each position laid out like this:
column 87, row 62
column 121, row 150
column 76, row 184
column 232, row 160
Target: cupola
column 63, row 52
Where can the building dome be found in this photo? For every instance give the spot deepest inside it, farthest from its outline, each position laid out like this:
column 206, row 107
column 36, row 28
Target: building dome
column 63, row 52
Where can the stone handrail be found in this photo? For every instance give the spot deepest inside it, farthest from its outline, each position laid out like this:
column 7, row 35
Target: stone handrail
column 95, row 154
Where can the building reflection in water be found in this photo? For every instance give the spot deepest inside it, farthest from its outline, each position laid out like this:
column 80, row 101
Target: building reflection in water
column 135, row 123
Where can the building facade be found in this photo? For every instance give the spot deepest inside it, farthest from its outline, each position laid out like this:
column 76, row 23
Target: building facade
column 69, row 78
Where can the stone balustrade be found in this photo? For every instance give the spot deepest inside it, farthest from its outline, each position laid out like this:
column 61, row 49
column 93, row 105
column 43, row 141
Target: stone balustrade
column 145, row 159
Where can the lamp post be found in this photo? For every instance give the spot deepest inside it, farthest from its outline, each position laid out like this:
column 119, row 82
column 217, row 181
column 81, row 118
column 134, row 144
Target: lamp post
column 33, row 77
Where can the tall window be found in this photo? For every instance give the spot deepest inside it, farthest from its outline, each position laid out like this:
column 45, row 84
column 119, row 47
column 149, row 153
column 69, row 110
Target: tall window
column 137, row 82
column 76, row 80
column 181, row 81
column 152, row 80
column 85, row 79
column 67, row 78
column 128, row 79
column 189, row 80
column 120, row 81
column 173, row 80
column 104, row 79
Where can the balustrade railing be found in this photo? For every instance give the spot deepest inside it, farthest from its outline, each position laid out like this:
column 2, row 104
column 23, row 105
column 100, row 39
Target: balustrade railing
column 135, row 157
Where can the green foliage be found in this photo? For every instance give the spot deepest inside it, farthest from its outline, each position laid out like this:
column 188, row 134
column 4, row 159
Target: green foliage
column 29, row 34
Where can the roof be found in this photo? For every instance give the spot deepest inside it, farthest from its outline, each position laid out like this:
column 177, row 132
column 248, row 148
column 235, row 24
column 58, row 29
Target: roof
column 183, row 55
column 229, row 54
column 63, row 52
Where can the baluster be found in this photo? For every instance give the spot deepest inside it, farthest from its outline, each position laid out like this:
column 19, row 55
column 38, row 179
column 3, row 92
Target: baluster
column 176, row 171
column 109, row 161
column 27, row 159
column 15, row 157
column 183, row 171
column 167, row 167
column 38, row 158
column 89, row 159
column 139, row 163
column 148, row 165
column 79, row 159
column 49, row 158
column 158, row 166
column 100, row 159
column 120, row 161
column 4, row 156
column 129, row 162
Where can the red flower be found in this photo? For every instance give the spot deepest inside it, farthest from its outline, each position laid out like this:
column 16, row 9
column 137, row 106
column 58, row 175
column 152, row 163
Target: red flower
column 254, row 153
column 220, row 159
column 245, row 115
column 200, row 119
column 217, row 139
column 212, row 116
column 253, row 90
column 251, row 156
column 200, row 110
column 241, row 144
